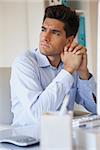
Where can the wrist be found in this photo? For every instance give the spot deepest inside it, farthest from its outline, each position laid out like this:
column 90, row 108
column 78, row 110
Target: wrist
column 69, row 69
column 84, row 75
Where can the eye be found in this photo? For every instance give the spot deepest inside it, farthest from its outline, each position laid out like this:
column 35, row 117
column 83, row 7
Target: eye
column 43, row 29
column 56, row 32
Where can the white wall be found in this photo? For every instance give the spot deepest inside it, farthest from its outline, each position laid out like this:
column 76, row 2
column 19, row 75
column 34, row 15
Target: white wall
column 35, row 11
column 20, row 22
column 90, row 7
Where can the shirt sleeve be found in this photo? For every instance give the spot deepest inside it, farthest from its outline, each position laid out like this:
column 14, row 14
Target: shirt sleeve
column 86, row 89
column 27, row 94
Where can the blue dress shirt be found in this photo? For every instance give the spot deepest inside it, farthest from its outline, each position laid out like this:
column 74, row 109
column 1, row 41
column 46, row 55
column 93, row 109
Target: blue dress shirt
column 38, row 87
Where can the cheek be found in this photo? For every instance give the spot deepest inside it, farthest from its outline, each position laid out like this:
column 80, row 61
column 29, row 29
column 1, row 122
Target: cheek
column 61, row 45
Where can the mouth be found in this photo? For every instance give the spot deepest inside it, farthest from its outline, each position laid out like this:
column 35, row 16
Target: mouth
column 44, row 45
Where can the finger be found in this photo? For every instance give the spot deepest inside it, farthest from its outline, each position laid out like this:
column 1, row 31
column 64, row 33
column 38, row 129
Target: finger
column 73, row 46
column 77, row 48
column 81, row 51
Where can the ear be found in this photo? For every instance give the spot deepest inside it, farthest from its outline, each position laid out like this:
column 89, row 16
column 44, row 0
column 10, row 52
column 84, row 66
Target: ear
column 70, row 39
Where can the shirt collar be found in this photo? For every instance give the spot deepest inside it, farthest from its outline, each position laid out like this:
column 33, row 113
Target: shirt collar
column 42, row 59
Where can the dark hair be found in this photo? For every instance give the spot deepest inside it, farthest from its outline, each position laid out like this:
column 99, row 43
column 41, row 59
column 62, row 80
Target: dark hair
column 66, row 15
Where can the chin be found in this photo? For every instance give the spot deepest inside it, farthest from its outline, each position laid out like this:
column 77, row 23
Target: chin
column 43, row 51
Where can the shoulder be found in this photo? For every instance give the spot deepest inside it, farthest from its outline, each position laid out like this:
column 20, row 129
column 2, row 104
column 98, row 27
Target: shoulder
column 28, row 58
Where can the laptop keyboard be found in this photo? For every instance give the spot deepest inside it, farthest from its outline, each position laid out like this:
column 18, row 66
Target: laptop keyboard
column 85, row 119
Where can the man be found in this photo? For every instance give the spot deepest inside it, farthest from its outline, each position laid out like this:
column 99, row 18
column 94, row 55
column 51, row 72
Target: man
column 42, row 78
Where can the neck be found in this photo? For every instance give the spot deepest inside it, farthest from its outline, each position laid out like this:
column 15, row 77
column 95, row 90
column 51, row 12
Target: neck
column 54, row 61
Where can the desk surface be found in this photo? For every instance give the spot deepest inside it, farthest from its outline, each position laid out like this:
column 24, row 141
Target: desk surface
column 33, row 131
column 28, row 130
column 8, row 131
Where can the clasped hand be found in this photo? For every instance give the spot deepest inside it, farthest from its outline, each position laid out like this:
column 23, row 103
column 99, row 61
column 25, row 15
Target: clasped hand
column 74, row 58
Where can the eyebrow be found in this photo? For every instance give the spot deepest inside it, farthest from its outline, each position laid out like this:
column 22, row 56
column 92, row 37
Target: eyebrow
column 54, row 30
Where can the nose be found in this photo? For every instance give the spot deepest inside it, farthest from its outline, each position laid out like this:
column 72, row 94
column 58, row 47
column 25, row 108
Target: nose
column 46, row 36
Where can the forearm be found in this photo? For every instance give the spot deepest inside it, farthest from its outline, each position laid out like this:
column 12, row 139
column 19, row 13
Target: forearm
column 36, row 100
column 84, row 74
column 86, row 90
column 52, row 97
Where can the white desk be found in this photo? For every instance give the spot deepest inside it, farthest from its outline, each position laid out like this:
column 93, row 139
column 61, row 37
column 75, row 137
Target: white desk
column 80, row 137
column 6, row 130
column 30, row 130
column 4, row 126
column 87, row 138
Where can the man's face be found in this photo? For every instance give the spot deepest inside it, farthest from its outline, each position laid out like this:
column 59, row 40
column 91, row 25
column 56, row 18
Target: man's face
column 52, row 37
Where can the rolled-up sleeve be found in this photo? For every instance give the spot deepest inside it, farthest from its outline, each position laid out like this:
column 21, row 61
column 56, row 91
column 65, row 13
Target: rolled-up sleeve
column 85, row 91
